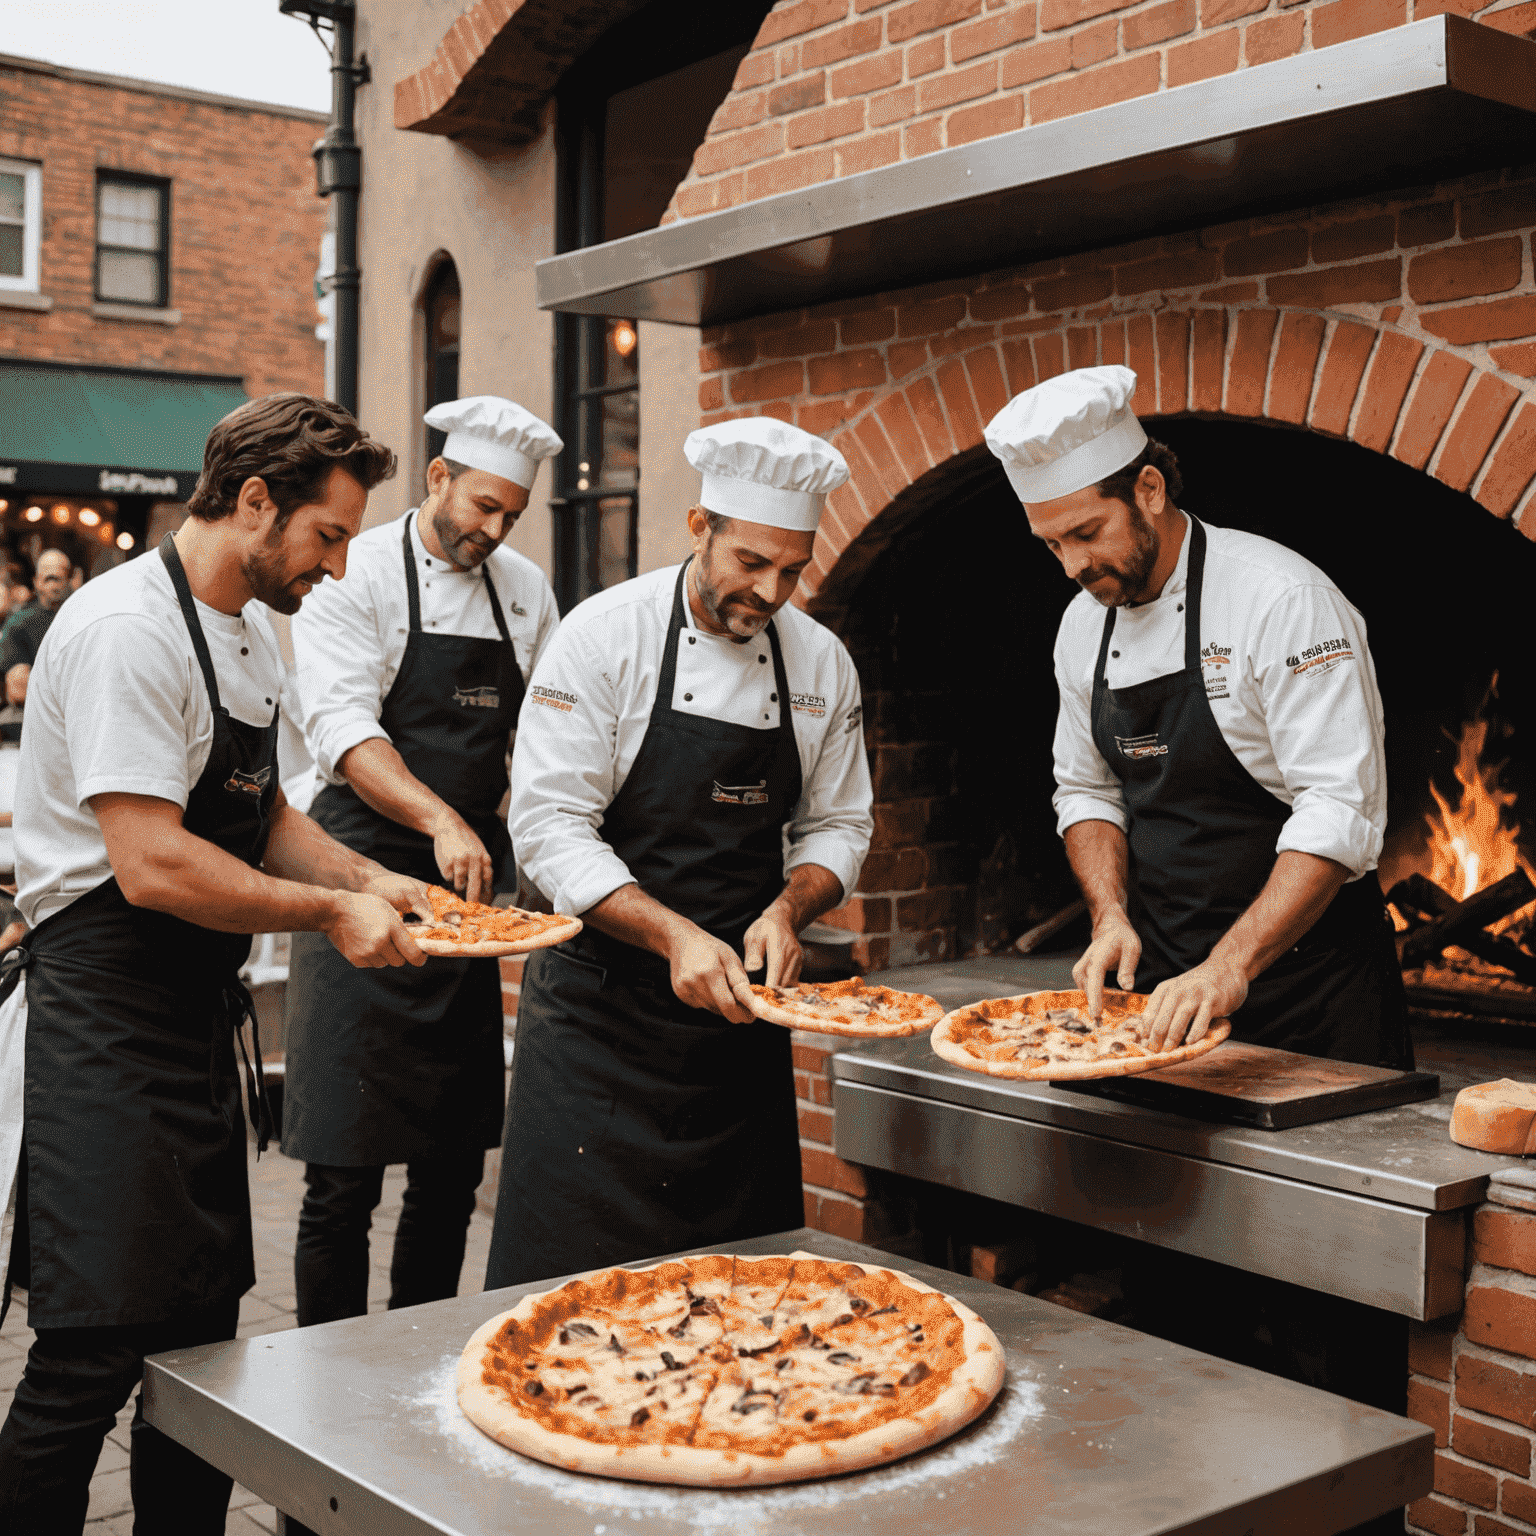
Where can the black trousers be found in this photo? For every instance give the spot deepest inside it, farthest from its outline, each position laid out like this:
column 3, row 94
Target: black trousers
column 330, row 1261
column 75, row 1383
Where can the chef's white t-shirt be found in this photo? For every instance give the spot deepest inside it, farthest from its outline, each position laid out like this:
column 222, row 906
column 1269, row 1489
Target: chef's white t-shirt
column 117, row 704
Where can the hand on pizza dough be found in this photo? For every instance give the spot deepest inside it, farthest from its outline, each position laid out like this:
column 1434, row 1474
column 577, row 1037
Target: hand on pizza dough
column 1114, row 946
column 1182, row 1008
column 772, row 942
column 708, row 974
column 369, row 932
column 403, row 893
column 462, row 858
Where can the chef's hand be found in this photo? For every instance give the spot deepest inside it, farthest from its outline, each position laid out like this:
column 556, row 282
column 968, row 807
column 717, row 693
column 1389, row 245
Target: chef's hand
column 462, row 858
column 772, row 942
column 707, row 974
column 368, row 931
column 403, row 893
column 1114, row 947
column 1182, row 1008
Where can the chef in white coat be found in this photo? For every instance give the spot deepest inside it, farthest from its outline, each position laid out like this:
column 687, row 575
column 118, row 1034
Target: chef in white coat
column 691, row 779
column 1221, row 780
column 411, row 673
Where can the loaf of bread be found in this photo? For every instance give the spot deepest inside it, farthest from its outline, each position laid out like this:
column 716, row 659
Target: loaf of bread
column 1496, row 1117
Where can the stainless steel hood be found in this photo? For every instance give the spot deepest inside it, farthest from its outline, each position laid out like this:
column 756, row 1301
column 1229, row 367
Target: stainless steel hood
column 1399, row 108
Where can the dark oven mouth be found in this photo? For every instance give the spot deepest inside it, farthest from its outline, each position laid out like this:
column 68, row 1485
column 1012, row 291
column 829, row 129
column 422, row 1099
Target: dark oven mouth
column 951, row 615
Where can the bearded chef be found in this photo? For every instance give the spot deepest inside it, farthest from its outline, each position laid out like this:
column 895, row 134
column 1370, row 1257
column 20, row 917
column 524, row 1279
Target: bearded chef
column 411, row 674
column 691, row 779
column 152, row 840
column 1221, row 783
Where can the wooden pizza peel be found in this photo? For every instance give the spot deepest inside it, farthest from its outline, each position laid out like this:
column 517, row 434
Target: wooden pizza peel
column 1254, row 1085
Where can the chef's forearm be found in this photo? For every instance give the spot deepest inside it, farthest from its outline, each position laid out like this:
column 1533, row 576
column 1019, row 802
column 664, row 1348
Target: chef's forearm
column 378, row 773
column 1100, row 858
column 1298, row 891
column 162, row 866
column 300, row 850
column 629, row 914
column 809, row 891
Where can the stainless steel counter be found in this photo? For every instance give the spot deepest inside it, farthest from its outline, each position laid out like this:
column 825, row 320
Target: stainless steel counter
column 352, row 1427
column 1369, row 1207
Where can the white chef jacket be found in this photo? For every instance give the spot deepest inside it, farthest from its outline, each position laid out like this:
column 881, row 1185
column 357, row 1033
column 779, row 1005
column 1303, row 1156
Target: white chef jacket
column 590, row 702
column 1289, row 679
column 350, row 635
column 117, row 704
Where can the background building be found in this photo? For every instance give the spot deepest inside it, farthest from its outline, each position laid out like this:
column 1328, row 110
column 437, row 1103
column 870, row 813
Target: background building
column 158, row 249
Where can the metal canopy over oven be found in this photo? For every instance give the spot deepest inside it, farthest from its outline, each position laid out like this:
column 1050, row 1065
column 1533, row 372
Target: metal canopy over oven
column 1401, row 107
column 353, row 1427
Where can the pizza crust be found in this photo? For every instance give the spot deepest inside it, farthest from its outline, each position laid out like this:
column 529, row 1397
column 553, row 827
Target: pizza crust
column 776, row 1005
column 971, row 1389
column 546, row 939
column 948, row 1043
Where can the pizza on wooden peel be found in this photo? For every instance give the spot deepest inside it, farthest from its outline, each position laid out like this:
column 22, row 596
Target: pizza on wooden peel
column 725, row 1371
column 847, row 1008
column 469, row 929
column 1049, row 1036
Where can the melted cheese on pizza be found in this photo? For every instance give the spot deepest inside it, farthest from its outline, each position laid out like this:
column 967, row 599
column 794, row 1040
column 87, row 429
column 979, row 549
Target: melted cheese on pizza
column 747, row 1354
column 848, row 1002
column 1033, row 1032
column 473, row 922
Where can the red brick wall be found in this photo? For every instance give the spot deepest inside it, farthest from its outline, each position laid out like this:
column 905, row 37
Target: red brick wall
column 245, row 227
column 834, row 87
column 1407, row 325
column 1474, row 1383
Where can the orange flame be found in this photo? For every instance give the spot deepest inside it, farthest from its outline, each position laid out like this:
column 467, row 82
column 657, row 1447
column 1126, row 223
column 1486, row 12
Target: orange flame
column 1473, row 843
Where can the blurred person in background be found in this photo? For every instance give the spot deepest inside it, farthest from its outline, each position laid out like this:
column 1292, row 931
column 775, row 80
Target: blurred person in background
column 24, row 630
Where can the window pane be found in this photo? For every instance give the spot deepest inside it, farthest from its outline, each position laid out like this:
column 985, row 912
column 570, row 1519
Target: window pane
column 13, row 196
column 129, row 216
column 613, row 542
column 10, row 250
column 130, row 276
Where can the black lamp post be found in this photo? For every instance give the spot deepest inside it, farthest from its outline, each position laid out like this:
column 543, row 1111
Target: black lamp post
column 339, row 173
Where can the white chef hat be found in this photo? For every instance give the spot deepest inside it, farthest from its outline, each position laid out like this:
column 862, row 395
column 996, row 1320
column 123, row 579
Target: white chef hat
column 1068, row 433
column 487, row 432
column 766, row 471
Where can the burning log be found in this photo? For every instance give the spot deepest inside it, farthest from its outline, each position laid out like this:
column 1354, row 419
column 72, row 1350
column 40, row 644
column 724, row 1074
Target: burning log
column 1463, row 922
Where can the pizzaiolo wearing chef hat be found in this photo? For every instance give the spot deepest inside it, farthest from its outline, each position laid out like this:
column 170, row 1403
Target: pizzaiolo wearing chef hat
column 1221, row 784
column 691, row 780
column 411, row 673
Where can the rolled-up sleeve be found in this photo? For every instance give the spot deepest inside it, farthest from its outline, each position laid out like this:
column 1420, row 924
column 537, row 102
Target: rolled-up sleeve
column 833, row 822
column 1323, row 714
column 563, row 775
column 339, row 660
column 1085, row 788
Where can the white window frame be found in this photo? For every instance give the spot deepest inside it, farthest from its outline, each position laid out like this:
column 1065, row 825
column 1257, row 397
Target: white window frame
column 32, row 225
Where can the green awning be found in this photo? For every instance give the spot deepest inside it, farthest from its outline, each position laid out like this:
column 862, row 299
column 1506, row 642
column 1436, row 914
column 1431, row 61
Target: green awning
column 67, row 428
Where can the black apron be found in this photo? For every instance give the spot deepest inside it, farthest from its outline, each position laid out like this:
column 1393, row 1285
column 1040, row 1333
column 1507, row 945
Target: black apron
column 636, row 1124
column 384, row 1066
column 1202, row 845
column 137, row 1208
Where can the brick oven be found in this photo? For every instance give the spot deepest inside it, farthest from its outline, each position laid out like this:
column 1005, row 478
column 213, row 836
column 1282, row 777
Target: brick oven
column 905, row 213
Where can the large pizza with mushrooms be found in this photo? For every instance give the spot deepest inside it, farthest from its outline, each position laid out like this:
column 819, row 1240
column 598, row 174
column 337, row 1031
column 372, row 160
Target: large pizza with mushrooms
column 470, row 929
column 1051, row 1036
column 726, row 1371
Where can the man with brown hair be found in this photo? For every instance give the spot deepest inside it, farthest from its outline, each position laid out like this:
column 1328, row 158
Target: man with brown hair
column 153, row 840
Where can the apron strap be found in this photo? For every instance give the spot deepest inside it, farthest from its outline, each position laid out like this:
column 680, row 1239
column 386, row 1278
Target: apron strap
column 1100, row 676
column 242, row 1007
column 490, row 591
column 412, row 594
column 1194, row 581
column 781, row 678
column 172, row 559
column 667, row 682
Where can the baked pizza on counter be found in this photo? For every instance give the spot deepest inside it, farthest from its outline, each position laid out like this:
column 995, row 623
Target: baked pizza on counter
column 726, row 1371
column 1049, row 1036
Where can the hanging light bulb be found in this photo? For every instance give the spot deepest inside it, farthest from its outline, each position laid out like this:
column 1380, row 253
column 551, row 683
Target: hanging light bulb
column 624, row 338
column 34, row 514
column 125, row 541
column 89, row 516
column 61, row 513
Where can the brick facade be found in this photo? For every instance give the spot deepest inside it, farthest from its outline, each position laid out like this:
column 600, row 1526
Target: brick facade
column 245, row 226
column 834, row 87
column 1474, row 1383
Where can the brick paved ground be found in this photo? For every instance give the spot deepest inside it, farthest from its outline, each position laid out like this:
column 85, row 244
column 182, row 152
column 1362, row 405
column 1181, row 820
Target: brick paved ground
column 276, row 1189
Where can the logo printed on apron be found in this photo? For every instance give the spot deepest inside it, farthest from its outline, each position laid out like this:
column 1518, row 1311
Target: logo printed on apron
column 242, row 783
column 740, row 794
column 487, row 697
column 1141, row 746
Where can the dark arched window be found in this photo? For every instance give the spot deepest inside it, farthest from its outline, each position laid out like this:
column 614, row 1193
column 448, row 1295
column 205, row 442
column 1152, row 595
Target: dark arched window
column 441, row 304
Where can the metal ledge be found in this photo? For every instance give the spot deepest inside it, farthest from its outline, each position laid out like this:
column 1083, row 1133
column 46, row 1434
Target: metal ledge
column 1402, row 107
